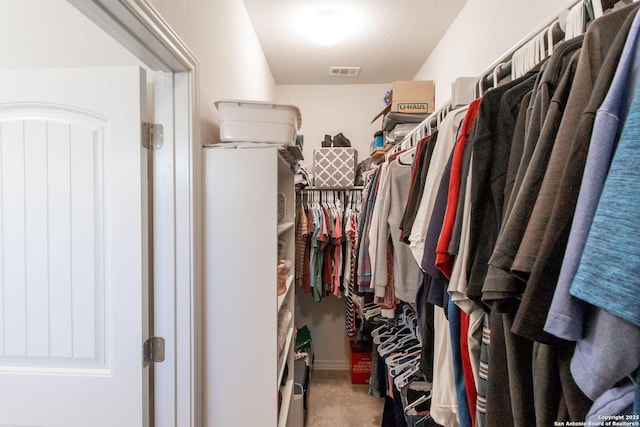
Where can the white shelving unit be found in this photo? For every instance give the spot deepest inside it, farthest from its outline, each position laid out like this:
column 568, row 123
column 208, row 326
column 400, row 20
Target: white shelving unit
column 244, row 370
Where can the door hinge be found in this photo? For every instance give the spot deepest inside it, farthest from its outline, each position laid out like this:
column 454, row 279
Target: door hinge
column 153, row 351
column 152, row 136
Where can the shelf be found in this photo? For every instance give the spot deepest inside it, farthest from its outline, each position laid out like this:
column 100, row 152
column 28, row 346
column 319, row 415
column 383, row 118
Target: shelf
column 355, row 187
column 282, row 358
column 287, row 397
column 282, row 297
column 291, row 154
column 285, row 226
column 295, row 151
column 379, row 153
column 223, row 253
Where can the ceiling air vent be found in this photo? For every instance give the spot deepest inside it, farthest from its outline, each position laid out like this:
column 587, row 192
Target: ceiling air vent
column 344, row 71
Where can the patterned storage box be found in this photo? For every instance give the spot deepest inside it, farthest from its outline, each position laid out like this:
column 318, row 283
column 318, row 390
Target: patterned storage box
column 334, row 167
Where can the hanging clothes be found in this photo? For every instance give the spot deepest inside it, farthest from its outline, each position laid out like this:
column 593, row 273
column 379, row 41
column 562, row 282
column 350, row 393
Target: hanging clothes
column 383, row 236
column 521, row 214
column 569, row 317
column 446, row 139
column 328, row 248
column 419, row 168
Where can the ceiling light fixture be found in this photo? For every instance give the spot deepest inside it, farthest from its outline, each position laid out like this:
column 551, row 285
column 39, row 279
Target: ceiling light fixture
column 327, row 27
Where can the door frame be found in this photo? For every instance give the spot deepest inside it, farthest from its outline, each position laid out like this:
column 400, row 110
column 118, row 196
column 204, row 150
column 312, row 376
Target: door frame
column 176, row 212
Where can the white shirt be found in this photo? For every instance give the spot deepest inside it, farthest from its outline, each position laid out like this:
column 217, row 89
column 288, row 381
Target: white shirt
column 448, row 131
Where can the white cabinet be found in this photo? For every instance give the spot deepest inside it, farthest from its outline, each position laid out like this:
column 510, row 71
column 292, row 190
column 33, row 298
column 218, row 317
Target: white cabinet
column 249, row 225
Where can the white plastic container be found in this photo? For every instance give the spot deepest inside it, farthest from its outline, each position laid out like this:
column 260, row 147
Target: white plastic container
column 255, row 121
column 298, row 405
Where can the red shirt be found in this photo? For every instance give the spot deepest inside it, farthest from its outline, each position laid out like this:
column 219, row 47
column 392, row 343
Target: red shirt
column 444, row 260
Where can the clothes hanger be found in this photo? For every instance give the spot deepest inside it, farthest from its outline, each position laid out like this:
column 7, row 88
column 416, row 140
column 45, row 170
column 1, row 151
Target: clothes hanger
column 430, row 126
column 384, row 333
column 575, row 21
column 402, row 380
column 516, row 64
column 412, row 138
column 382, row 336
column 380, row 330
column 598, row 9
column 395, row 344
column 417, row 402
column 402, row 357
column 442, row 113
column 416, row 137
column 398, row 370
column 392, row 344
column 542, row 48
column 407, row 313
column 495, row 73
column 550, row 39
column 542, row 37
column 530, row 55
column 406, row 353
column 392, row 340
column 369, row 312
column 407, row 157
column 412, row 322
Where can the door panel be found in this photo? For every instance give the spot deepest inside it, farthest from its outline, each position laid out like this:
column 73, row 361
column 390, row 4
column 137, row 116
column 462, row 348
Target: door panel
column 72, row 272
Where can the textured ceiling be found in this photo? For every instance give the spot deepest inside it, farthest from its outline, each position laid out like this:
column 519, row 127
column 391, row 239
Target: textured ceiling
column 389, row 40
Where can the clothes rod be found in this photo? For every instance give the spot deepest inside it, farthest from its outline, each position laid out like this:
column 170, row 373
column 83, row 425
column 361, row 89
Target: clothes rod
column 502, row 66
column 506, row 56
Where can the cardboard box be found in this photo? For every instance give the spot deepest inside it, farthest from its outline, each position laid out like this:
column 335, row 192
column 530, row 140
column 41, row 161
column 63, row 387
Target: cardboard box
column 414, row 96
column 361, row 363
column 334, row 167
column 410, row 96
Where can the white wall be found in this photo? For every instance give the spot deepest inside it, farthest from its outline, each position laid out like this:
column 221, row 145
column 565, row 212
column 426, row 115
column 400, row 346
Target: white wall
column 325, row 320
column 482, row 33
column 52, row 33
column 232, row 64
column 330, row 109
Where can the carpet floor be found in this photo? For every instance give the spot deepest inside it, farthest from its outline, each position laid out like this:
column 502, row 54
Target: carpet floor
column 334, row 402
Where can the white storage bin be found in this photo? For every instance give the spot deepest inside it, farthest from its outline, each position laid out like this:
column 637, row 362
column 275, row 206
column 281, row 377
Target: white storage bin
column 298, row 405
column 255, row 121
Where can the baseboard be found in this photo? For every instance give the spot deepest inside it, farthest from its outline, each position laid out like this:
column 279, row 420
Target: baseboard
column 331, row 365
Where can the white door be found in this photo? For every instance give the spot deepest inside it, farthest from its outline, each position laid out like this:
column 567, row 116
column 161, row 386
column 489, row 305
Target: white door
column 72, row 248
